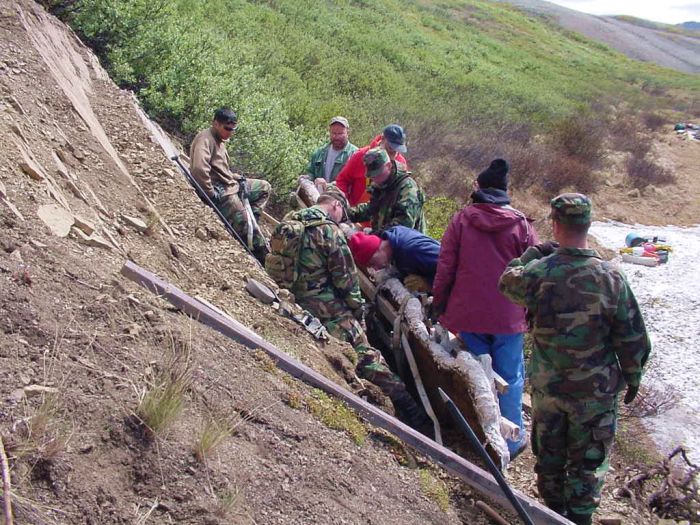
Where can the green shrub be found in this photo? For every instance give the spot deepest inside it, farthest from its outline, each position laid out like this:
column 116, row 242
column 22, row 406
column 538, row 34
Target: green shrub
column 438, row 212
column 477, row 68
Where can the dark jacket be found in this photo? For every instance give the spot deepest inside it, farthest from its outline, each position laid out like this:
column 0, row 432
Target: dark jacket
column 413, row 252
column 399, row 201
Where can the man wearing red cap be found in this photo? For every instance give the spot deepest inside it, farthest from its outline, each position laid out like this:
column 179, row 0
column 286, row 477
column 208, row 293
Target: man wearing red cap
column 413, row 254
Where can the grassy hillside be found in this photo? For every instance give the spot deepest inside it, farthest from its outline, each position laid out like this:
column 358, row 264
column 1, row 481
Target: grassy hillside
column 287, row 66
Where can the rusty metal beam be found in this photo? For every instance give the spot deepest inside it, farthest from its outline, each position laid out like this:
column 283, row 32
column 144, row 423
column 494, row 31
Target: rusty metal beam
column 477, row 478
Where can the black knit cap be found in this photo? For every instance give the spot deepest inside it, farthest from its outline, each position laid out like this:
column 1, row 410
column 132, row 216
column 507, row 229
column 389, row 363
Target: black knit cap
column 495, row 176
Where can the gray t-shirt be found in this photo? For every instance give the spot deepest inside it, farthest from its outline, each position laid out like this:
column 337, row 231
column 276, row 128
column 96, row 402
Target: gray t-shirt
column 330, row 161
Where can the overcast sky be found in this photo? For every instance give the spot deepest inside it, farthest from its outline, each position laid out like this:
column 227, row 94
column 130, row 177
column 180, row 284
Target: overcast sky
column 667, row 11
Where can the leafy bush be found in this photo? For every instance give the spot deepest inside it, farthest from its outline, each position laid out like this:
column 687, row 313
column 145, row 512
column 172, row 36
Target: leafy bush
column 471, row 68
column 438, row 212
column 580, row 138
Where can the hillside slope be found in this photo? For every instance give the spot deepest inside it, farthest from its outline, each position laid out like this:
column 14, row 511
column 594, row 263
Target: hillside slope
column 80, row 345
column 665, row 48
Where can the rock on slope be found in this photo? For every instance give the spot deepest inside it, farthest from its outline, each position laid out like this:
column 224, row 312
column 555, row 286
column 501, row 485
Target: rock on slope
column 80, row 346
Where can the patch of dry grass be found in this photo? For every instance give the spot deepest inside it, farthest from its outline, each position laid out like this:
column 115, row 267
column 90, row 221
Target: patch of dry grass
column 164, row 400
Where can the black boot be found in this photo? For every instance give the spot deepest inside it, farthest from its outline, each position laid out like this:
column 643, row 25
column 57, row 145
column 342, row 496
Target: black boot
column 411, row 413
column 260, row 253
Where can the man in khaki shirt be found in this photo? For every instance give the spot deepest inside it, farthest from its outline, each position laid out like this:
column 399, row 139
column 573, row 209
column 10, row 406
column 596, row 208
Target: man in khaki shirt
column 210, row 168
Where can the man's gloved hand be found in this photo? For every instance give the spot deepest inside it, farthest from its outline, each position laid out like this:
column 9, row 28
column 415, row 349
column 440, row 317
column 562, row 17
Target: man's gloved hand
column 435, row 311
column 416, row 284
column 631, row 393
column 547, row 248
column 321, row 184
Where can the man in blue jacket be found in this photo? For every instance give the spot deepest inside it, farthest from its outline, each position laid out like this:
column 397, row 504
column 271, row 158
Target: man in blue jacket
column 413, row 254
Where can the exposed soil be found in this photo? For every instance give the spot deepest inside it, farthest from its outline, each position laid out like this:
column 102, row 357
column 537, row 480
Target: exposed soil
column 97, row 343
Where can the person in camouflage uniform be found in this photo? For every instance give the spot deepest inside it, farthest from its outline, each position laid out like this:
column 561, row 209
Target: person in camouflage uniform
column 395, row 198
column 328, row 286
column 227, row 190
column 589, row 342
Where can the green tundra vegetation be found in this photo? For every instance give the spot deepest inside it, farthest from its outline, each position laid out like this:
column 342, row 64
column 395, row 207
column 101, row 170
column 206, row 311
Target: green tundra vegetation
column 440, row 68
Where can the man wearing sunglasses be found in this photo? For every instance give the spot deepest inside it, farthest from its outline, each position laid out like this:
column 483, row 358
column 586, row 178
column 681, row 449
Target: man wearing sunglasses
column 228, row 190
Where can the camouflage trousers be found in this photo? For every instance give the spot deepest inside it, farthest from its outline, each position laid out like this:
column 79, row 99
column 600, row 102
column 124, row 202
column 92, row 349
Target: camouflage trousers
column 231, row 206
column 370, row 362
column 571, row 440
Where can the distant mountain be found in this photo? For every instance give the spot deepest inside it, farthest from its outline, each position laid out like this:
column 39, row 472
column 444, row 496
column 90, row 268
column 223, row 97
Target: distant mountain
column 667, row 45
column 692, row 26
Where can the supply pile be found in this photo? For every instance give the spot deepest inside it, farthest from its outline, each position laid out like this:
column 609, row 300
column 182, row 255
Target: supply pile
column 647, row 251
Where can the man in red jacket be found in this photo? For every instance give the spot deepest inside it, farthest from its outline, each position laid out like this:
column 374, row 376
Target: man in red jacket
column 478, row 244
column 352, row 179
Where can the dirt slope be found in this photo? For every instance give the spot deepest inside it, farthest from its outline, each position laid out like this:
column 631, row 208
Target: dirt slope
column 73, row 327
column 667, row 49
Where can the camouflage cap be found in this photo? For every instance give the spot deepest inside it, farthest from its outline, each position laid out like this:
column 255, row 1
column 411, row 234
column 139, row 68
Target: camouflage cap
column 336, row 193
column 375, row 159
column 571, row 208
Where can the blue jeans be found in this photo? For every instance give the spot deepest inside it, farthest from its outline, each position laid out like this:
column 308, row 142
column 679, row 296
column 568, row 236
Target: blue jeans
column 506, row 351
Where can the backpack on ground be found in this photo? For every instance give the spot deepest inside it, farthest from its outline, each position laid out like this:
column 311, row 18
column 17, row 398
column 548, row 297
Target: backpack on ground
column 282, row 263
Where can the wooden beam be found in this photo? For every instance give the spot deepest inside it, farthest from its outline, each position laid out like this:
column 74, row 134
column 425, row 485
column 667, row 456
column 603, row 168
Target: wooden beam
column 477, row 478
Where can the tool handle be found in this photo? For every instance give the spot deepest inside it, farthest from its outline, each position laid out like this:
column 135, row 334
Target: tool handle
column 203, row 195
column 462, row 423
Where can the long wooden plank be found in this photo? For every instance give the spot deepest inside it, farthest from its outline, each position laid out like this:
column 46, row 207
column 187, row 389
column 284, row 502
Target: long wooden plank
column 477, row 478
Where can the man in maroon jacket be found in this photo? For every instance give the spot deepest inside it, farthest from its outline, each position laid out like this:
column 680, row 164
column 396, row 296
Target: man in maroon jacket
column 478, row 244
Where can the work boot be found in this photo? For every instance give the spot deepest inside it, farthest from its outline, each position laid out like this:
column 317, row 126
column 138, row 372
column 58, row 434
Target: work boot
column 580, row 519
column 260, row 253
column 408, row 411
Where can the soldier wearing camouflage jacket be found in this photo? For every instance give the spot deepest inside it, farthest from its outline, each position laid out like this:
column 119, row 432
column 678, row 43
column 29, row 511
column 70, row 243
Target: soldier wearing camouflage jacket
column 395, row 198
column 589, row 343
column 328, row 286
